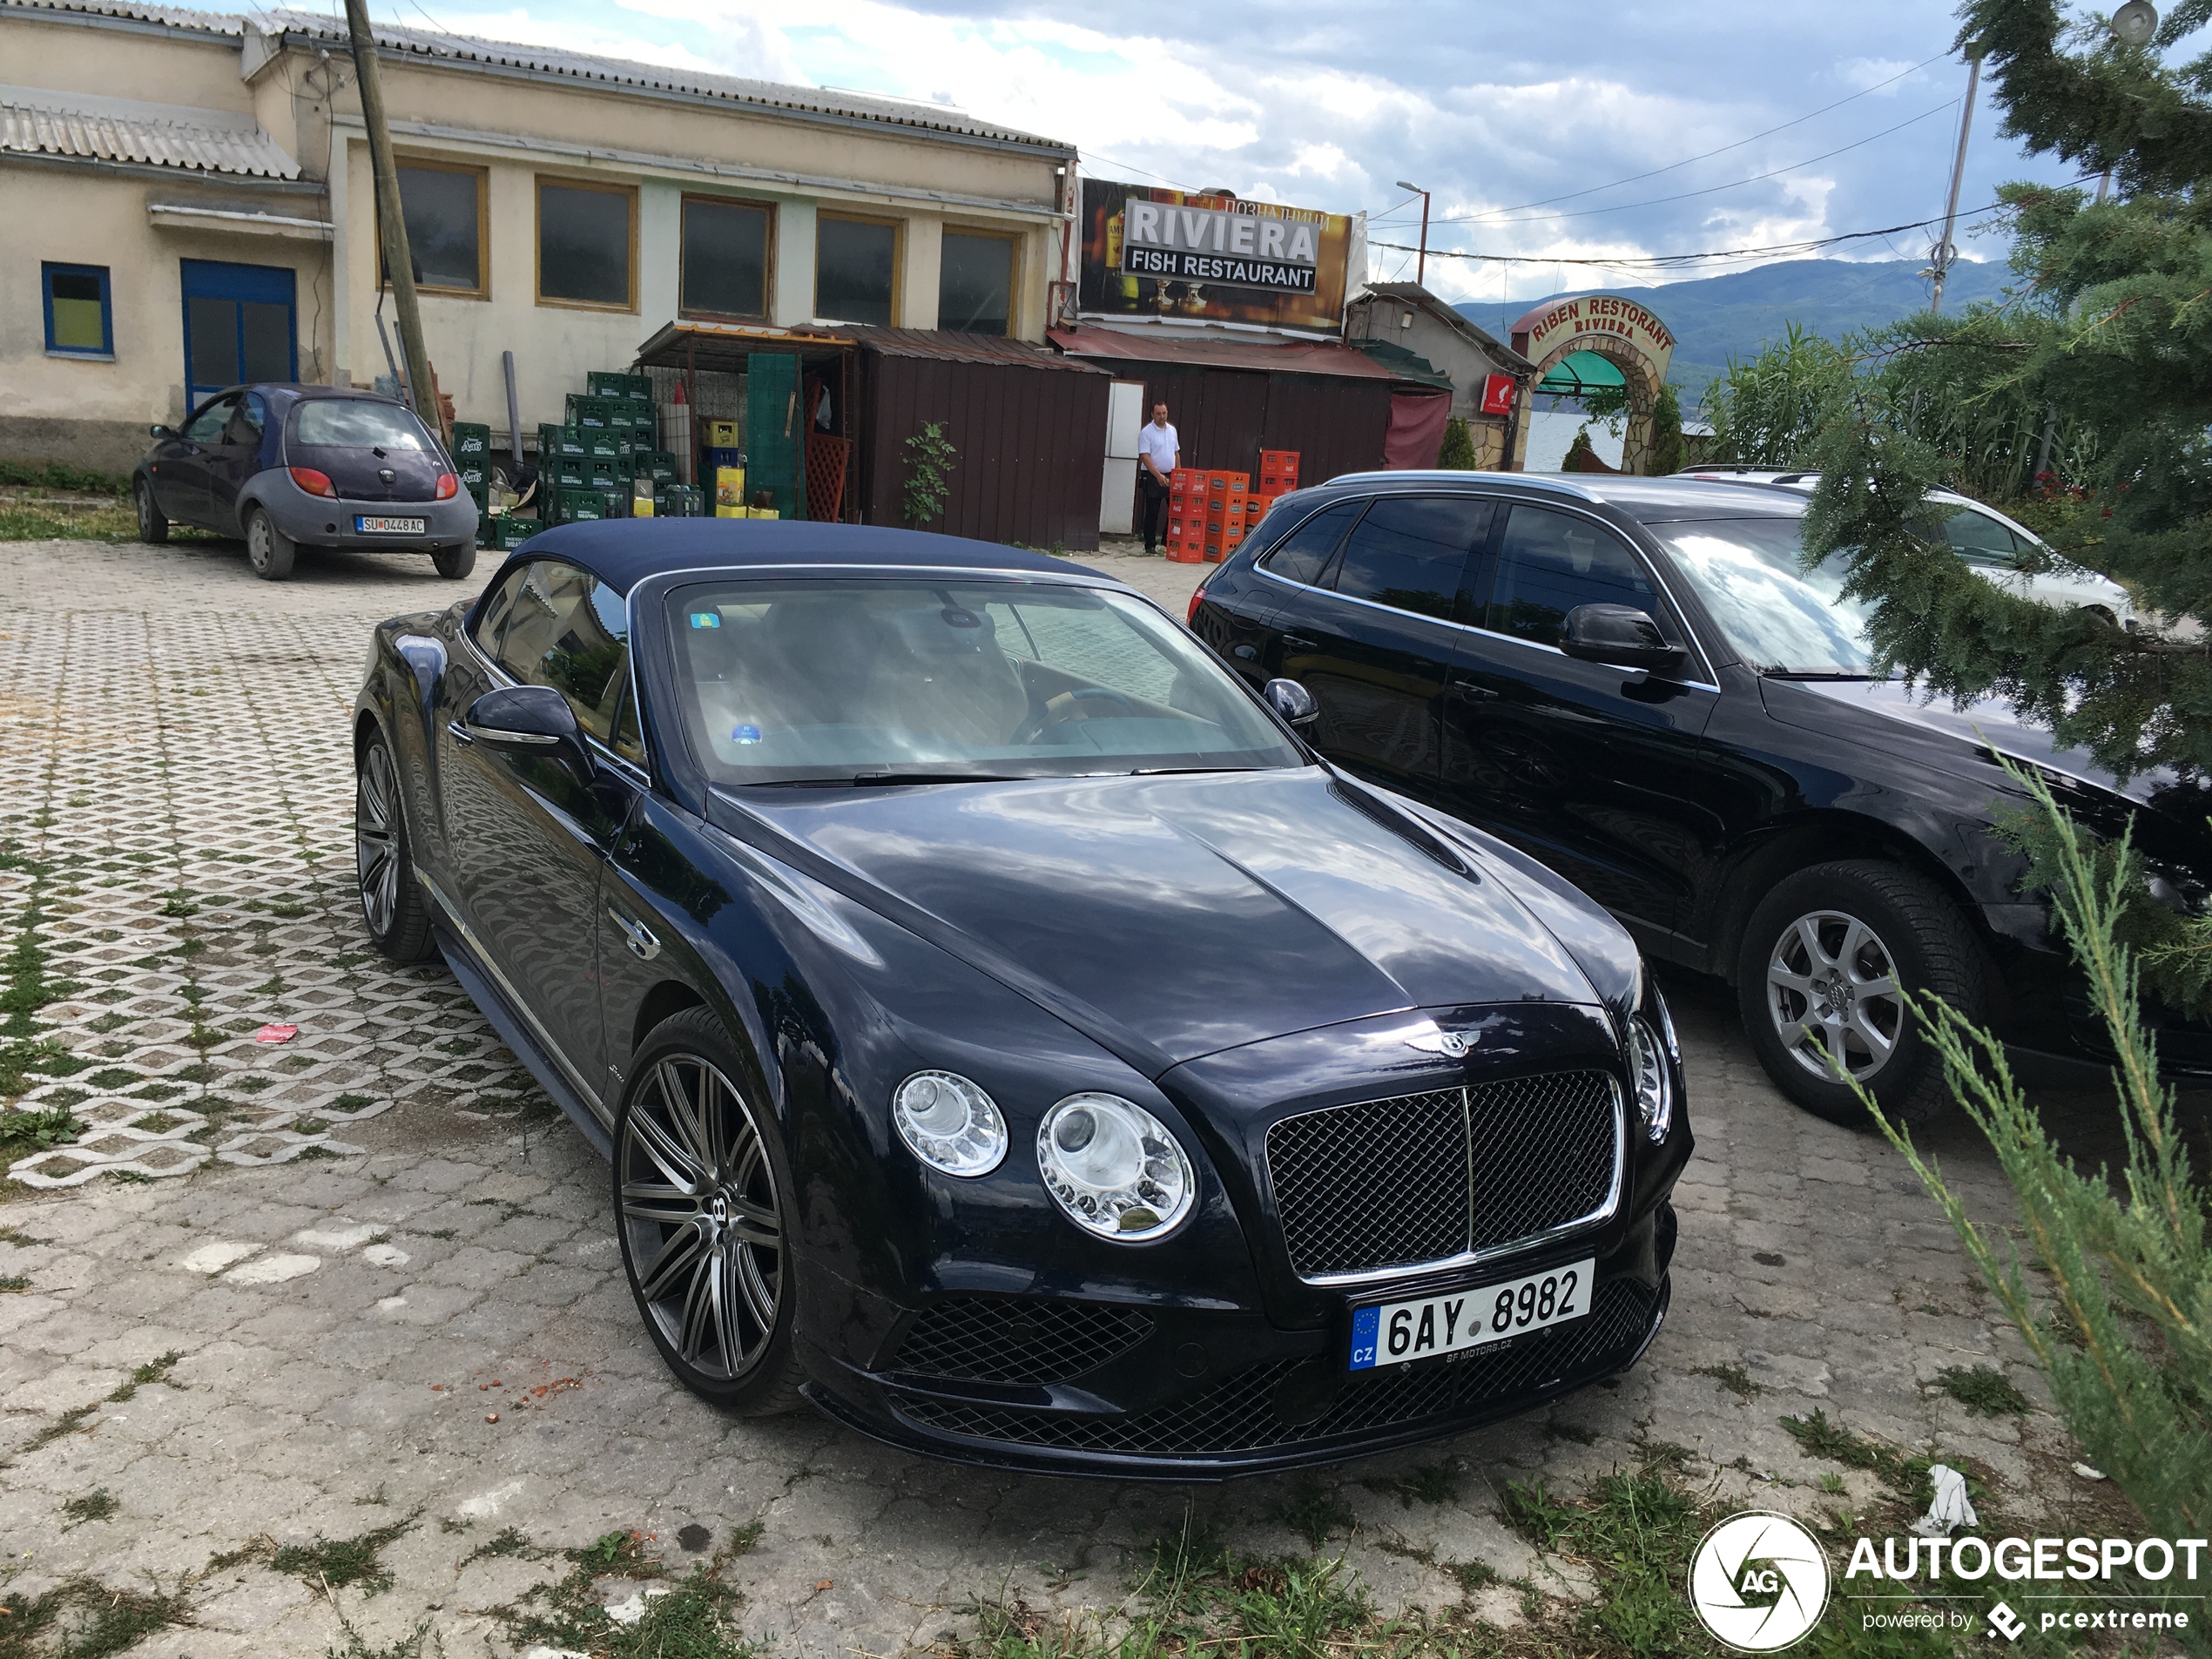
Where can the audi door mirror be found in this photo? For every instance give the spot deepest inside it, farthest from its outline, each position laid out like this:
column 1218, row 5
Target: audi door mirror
column 530, row 722
column 1293, row 702
column 1618, row 636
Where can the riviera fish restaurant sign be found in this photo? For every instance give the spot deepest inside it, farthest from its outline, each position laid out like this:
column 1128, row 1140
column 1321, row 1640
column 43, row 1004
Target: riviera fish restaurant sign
column 1149, row 252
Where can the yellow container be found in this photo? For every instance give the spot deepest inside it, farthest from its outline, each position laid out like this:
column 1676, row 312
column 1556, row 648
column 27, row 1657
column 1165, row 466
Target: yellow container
column 641, row 507
column 720, row 435
column 762, row 512
column 721, row 511
column 729, row 486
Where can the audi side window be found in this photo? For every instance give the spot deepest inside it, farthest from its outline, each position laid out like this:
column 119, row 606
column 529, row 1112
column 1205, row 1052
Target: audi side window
column 1304, row 553
column 1551, row 563
column 1413, row 552
column 565, row 630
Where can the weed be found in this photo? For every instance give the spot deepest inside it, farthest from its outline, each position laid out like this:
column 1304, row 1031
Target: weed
column 340, row 1562
column 97, row 1505
column 1314, row 1511
column 1818, row 1437
column 1474, row 1576
column 16, row 1236
column 130, row 1177
column 1833, row 1484
column 691, row 1620
column 89, row 1619
column 1984, row 1390
column 154, row 1371
column 356, row 1646
column 508, row 1540
column 14, row 1282
column 1637, row 1530
column 1732, row 1378
column 22, row 1133
column 67, row 1423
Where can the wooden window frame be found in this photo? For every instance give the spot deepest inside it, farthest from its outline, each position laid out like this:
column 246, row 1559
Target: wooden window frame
column 438, row 164
column 898, row 228
column 768, row 261
column 564, row 181
column 1017, row 239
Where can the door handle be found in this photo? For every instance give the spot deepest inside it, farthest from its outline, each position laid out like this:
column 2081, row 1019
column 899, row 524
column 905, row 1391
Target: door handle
column 644, row 944
column 1245, row 654
column 1469, row 692
column 1299, row 642
column 460, row 732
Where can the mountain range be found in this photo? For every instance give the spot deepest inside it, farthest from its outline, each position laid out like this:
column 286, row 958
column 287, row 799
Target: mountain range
column 1713, row 319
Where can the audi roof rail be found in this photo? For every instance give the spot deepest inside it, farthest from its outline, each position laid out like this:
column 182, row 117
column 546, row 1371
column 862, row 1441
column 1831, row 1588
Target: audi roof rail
column 1537, row 480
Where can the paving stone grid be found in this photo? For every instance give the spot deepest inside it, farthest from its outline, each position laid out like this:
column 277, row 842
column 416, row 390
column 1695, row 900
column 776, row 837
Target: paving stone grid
column 364, row 1243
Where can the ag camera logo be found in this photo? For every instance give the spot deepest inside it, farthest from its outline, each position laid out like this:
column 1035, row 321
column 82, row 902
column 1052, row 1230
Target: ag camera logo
column 1758, row 1581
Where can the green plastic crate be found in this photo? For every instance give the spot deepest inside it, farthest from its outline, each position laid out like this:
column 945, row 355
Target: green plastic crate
column 577, row 505
column 604, row 383
column 509, row 532
column 554, row 439
column 602, row 443
column 570, row 470
column 470, row 442
column 657, row 464
column 588, row 412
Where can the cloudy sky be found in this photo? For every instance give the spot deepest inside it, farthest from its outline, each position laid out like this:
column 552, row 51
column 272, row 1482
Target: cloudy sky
column 1530, row 124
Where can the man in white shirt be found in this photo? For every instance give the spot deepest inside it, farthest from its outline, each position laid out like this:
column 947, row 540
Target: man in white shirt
column 1159, row 452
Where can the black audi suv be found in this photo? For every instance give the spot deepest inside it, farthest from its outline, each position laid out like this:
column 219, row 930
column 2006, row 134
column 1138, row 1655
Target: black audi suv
column 1636, row 682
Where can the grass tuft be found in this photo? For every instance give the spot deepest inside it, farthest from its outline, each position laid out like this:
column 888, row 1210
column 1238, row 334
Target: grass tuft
column 1983, row 1390
column 339, row 1563
column 1735, row 1379
column 1314, row 1511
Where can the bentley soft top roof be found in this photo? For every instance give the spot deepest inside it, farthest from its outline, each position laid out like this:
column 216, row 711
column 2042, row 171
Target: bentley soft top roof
column 622, row 552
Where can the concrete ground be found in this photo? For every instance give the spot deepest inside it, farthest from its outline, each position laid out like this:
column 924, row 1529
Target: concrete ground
column 364, row 1245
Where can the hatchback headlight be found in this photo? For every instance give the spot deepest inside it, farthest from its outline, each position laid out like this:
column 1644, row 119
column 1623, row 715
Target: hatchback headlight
column 949, row 1123
column 1648, row 1070
column 1118, row 1170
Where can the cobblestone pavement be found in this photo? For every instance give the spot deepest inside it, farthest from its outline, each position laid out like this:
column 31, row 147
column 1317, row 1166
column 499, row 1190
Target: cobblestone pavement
column 363, row 1244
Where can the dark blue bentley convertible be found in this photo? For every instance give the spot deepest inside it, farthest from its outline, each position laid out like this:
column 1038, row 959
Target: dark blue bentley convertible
column 1006, row 1033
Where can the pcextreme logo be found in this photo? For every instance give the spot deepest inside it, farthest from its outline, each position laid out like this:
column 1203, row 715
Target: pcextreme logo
column 1759, row 1581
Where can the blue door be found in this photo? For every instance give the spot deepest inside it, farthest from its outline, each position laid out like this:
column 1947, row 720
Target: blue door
column 242, row 324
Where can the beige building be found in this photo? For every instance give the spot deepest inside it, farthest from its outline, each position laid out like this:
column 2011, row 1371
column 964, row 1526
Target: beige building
column 192, row 204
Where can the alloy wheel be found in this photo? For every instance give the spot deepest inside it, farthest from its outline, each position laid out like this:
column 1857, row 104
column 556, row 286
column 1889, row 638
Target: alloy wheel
column 701, row 1217
column 1832, row 990
column 376, row 839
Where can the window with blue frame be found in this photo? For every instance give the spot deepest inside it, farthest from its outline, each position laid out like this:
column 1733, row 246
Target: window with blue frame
column 79, row 321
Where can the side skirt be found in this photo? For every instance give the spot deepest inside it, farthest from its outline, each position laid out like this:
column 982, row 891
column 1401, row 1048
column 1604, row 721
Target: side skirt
column 515, row 1031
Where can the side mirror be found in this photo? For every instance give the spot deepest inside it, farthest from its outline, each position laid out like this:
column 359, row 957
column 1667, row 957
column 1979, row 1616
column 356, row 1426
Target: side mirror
column 1618, row 636
column 532, row 721
column 160, row 432
column 1293, row 702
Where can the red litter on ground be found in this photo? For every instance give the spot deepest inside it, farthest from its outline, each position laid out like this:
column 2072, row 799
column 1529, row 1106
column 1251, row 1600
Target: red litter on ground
column 276, row 1034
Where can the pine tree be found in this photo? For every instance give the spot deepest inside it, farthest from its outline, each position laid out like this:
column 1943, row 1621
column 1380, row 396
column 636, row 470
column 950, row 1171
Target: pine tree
column 1458, row 453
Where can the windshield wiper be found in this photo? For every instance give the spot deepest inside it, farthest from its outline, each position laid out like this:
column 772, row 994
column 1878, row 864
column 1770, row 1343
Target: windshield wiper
column 1818, row 674
column 867, row 780
column 1178, row 772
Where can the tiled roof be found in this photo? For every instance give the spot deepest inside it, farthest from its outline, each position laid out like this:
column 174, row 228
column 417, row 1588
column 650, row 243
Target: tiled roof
column 34, row 121
column 220, row 23
column 462, row 49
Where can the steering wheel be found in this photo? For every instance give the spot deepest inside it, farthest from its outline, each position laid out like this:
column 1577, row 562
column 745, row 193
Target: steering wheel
column 1059, row 710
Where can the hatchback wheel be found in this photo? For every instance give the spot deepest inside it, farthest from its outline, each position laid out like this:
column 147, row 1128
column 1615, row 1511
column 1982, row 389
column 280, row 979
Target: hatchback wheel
column 391, row 902
column 268, row 549
column 1826, row 958
column 455, row 562
column 153, row 526
column 705, row 1204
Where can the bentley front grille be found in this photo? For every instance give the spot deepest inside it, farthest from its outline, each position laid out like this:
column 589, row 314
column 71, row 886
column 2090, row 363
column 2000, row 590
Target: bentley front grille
column 1447, row 1176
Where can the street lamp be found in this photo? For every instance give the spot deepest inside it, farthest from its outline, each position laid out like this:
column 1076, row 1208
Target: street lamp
column 1420, row 271
column 2136, row 23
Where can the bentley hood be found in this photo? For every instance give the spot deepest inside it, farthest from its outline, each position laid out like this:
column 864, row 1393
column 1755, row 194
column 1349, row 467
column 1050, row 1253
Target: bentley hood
column 1172, row 917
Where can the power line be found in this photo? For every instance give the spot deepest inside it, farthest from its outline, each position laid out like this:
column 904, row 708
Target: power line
column 1666, row 260
column 1638, row 177
column 1623, row 207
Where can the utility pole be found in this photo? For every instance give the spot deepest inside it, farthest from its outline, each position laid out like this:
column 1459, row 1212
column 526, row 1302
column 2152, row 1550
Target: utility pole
column 1946, row 249
column 392, row 223
column 1420, row 270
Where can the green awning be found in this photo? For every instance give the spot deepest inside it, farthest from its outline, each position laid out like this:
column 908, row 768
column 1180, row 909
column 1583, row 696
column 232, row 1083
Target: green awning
column 1580, row 372
column 1406, row 365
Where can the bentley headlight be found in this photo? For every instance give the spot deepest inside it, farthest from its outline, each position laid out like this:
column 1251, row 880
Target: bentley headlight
column 1116, row 1169
column 950, row 1123
column 1648, row 1070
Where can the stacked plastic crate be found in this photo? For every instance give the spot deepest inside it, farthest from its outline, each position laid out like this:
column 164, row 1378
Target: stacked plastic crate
column 1278, row 476
column 600, row 462
column 1208, row 513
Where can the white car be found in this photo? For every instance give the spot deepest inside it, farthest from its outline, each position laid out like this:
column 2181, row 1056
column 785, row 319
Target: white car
column 1987, row 541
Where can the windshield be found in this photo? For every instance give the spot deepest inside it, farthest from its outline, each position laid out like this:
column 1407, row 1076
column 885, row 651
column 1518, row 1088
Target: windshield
column 874, row 679
column 344, row 423
column 1781, row 618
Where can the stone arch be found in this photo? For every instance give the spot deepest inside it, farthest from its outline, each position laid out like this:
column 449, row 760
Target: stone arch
column 1613, row 327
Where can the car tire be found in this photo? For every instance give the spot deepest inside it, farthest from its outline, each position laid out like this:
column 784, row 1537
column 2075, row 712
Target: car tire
column 268, row 549
column 153, row 525
column 393, row 907
column 1872, row 924
column 455, row 562
column 705, row 1204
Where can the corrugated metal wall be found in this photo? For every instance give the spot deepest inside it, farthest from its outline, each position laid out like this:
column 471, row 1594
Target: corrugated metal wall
column 1031, row 447
column 1226, row 416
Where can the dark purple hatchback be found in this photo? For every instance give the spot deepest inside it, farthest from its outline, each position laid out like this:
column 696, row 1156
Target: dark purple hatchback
column 286, row 466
